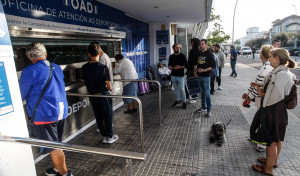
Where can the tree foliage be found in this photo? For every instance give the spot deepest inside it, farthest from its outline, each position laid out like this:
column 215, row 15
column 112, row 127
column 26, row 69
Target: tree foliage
column 257, row 43
column 216, row 35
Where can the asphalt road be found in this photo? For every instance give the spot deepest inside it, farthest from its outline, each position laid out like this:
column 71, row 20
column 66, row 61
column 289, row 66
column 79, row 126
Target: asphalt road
column 256, row 63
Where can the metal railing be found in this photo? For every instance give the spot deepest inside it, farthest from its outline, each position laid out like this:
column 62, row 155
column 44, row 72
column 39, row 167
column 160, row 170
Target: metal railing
column 159, row 91
column 120, row 96
column 79, row 148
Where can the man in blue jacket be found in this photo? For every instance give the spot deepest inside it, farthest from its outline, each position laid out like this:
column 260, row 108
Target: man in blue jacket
column 52, row 110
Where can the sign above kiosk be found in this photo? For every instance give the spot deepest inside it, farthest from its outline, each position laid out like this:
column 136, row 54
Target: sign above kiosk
column 82, row 16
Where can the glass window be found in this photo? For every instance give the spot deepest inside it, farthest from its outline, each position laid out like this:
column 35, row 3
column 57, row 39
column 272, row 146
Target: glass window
column 59, row 51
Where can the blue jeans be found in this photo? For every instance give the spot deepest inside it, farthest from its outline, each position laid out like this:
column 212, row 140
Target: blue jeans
column 232, row 63
column 178, row 83
column 102, row 108
column 204, row 83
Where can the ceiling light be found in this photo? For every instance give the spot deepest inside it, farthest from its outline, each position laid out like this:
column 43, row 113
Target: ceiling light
column 168, row 16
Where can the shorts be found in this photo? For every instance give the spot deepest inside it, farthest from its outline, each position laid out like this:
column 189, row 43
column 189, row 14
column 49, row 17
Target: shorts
column 51, row 132
column 130, row 89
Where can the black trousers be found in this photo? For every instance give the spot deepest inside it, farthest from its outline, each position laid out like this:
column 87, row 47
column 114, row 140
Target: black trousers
column 219, row 77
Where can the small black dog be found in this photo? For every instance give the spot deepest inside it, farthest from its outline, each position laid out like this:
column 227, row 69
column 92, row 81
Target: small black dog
column 218, row 130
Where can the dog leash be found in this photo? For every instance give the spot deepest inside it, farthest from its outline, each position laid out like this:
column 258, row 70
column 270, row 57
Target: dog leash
column 228, row 122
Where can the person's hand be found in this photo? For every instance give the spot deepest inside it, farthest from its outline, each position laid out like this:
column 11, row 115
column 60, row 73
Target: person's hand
column 244, row 96
column 176, row 67
column 254, row 84
column 170, row 67
column 195, row 74
column 200, row 70
column 260, row 91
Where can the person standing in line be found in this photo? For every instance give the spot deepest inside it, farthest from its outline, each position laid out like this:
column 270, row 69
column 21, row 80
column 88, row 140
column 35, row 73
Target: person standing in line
column 203, row 67
column 251, row 93
column 127, row 70
column 276, row 43
column 214, row 73
column 177, row 63
column 97, row 81
column 193, row 56
column 221, row 60
column 48, row 125
column 233, row 59
column 253, row 52
column 275, row 87
column 105, row 60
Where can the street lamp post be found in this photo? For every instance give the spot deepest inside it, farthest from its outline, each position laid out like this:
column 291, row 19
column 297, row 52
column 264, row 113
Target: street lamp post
column 296, row 37
column 233, row 22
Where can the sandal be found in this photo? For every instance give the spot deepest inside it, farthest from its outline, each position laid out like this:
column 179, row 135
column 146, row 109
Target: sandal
column 263, row 160
column 260, row 168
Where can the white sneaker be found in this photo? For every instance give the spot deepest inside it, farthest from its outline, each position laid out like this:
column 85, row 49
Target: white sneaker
column 98, row 131
column 172, row 88
column 104, row 139
column 192, row 101
column 220, row 88
column 113, row 139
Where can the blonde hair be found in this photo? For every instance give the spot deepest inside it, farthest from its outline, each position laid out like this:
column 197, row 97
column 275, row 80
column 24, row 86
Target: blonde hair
column 265, row 51
column 284, row 57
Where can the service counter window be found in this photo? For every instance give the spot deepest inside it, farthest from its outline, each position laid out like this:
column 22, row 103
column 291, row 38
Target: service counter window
column 60, row 51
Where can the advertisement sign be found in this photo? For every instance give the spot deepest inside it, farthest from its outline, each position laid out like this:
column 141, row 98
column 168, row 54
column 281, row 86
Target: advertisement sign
column 162, row 37
column 66, row 15
column 5, row 97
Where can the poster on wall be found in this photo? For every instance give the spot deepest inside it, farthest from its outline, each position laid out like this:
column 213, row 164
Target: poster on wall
column 162, row 54
column 162, row 37
column 5, row 97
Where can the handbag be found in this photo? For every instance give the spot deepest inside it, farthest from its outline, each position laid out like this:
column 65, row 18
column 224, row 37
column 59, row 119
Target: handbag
column 30, row 125
column 290, row 101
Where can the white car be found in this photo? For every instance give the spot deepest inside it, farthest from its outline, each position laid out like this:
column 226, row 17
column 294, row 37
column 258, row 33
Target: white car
column 245, row 50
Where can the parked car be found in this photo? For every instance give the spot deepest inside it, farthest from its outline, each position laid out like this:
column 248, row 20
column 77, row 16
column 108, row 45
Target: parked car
column 292, row 51
column 245, row 50
column 297, row 53
column 258, row 51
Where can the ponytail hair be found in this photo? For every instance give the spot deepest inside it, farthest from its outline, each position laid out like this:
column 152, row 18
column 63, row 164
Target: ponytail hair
column 291, row 63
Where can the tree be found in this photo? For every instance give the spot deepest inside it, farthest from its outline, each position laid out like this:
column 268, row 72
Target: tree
column 257, row 43
column 216, row 35
column 237, row 42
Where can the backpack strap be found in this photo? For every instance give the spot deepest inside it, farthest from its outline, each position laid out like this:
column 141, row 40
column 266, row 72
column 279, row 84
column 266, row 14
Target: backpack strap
column 42, row 93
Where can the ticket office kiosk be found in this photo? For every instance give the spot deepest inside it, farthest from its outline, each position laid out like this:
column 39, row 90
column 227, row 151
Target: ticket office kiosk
column 69, row 50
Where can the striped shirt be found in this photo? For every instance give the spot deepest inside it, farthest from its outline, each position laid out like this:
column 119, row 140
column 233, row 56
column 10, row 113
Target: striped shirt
column 252, row 92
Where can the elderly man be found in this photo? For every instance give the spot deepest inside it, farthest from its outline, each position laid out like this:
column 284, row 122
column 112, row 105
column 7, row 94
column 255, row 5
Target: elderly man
column 48, row 114
column 127, row 70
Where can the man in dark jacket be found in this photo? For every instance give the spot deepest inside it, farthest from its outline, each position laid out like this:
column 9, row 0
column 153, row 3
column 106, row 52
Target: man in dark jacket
column 233, row 58
column 193, row 57
column 204, row 65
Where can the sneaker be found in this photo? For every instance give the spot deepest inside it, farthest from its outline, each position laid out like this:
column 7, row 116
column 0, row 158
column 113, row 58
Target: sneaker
column 98, row 131
column 260, row 149
column 113, row 139
column 177, row 103
column 235, row 76
column 220, row 88
column 69, row 173
column 208, row 114
column 231, row 75
column 212, row 93
column 202, row 109
column 52, row 172
column 172, row 88
column 104, row 139
column 184, row 105
column 192, row 101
